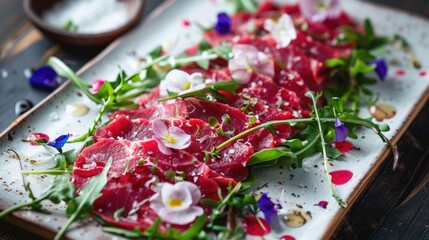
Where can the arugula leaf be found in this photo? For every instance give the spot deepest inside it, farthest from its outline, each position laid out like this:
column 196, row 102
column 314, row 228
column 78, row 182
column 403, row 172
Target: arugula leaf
column 61, row 167
column 268, row 155
column 152, row 232
column 60, row 189
column 81, row 206
column 244, row 5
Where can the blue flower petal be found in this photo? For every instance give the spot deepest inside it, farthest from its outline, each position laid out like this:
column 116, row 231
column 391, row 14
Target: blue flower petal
column 223, row 24
column 380, row 68
column 267, row 207
column 44, row 77
column 59, row 142
column 341, row 131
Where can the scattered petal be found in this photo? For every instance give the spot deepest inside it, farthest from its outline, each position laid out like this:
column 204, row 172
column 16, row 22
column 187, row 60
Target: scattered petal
column 96, row 85
column 44, row 77
column 287, row 237
column 341, row 177
column 223, row 24
column 400, row 72
column 380, row 68
column 344, row 147
column 320, row 10
column 283, row 31
column 322, row 204
column 341, row 131
column 422, row 73
column 176, row 203
column 37, row 138
column 186, row 23
column 267, row 207
column 256, row 226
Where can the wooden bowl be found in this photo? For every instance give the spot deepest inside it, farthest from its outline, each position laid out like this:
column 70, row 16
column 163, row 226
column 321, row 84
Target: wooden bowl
column 34, row 10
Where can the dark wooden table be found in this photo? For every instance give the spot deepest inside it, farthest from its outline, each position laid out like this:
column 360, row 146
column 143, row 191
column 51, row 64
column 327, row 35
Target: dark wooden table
column 394, row 206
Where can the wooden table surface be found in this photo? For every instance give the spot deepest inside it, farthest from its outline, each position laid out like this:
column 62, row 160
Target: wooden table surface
column 394, row 206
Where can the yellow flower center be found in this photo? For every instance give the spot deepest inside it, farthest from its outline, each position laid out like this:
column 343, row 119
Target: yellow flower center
column 249, row 67
column 170, row 139
column 187, row 86
column 175, row 203
column 320, row 6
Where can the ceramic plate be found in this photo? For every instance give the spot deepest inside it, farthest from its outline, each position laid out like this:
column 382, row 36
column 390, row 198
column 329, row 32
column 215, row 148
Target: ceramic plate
column 301, row 189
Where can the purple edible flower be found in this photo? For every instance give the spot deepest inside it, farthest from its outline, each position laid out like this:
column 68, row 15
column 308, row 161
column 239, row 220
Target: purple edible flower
column 267, row 207
column 223, row 24
column 59, row 142
column 44, row 77
column 380, row 67
column 320, row 10
column 341, row 131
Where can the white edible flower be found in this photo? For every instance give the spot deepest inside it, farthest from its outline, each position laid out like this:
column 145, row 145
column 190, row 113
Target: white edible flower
column 178, row 81
column 283, row 31
column 247, row 59
column 176, row 204
column 168, row 138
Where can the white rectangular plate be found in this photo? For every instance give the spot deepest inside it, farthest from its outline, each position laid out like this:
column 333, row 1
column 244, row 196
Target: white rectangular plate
column 406, row 92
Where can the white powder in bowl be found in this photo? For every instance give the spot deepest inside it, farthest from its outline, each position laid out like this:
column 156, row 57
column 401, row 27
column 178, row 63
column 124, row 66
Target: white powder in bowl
column 89, row 16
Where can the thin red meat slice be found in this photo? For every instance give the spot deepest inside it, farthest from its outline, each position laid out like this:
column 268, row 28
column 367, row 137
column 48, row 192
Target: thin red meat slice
column 215, row 39
column 314, row 49
column 290, row 57
column 203, row 138
column 127, row 192
column 123, row 128
column 92, row 159
column 175, row 108
column 150, row 99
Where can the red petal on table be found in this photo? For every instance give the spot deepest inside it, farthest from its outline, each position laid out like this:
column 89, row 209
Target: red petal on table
column 422, row 73
column 36, row 136
column 341, row 177
column 253, row 226
column 186, row 23
column 287, row 237
column 344, row 147
column 400, row 72
column 322, row 204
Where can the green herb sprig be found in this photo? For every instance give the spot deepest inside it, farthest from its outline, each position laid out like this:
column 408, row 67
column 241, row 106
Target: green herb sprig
column 60, row 189
column 317, row 131
column 81, row 206
column 349, row 78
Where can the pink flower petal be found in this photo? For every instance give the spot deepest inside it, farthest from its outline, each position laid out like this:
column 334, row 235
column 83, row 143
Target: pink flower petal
column 96, row 85
column 312, row 11
column 159, row 128
column 193, row 189
column 161, row 146
column 180, row 217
